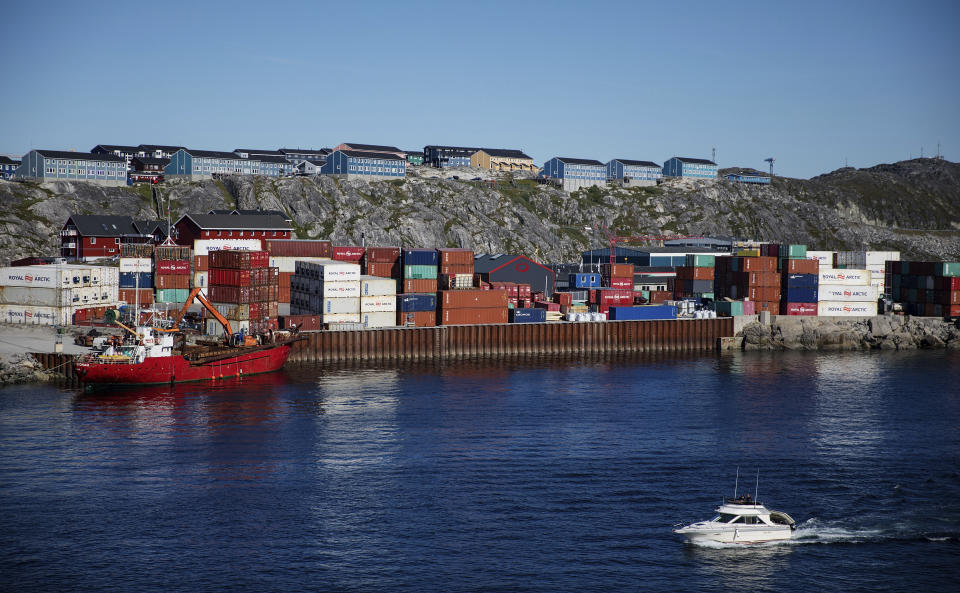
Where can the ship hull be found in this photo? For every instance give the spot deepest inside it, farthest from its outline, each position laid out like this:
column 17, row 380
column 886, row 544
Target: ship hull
column 177, row 369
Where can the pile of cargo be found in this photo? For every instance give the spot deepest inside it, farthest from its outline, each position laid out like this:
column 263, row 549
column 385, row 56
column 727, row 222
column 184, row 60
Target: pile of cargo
column 382, row 262
column 56, row 294
column 695, row 279
column 456, row 269
column 749, row 277
column 171, row 265
column 378, row 301
column 926, row 289
column 872, row 261
column 284, row 255
column 618, row 276
column 330, row 289
column 243, row 288
column 846, row 293
column 475, row 306
column 136, row 274
column 420, row 271
column 800, row 281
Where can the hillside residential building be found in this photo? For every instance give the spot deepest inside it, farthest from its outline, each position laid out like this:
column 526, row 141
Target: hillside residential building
column 633, row 173
column 295, row 155
column 448, row 156
column 57, row 165
column 192, row 227
column 688, row 167
column 85, row 237
column 157, row 151
column 370, row 148
column 309, row 167
column 206, row 164
column 247, row 153
column 573, row 174
column 147, row 169
column 748, row 176
column 8, row 167
column 415, row 157
column 372, row 166
column 502, row 159
column 125, row 152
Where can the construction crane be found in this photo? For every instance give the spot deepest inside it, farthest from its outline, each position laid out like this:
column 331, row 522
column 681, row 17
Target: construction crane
column 770, row 160
column 614, row 239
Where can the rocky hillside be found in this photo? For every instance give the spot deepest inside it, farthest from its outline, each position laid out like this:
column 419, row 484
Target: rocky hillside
column 911, row 206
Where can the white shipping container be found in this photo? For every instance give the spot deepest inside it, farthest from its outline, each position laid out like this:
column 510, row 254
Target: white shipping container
column 340, row 318
column 839, row 292
column 343, row 288
column 136, row 264
column 41, row 297
column 845, row 277
column 329, row 271
column 205, row 246
column 42, row 276
column 838, row 309
column 110, row 276
column 375, row 286
column 879, row 258
column 90, row 295
column 378, row 304
column 283, row 309
column 109, row 293
column 824, row 257
column 289, row 264
column 339, row 305
column 379, row 319
column 36, row 315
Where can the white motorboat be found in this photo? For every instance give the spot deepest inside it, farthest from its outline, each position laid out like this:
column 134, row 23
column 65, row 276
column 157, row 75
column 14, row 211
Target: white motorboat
column 741, row 521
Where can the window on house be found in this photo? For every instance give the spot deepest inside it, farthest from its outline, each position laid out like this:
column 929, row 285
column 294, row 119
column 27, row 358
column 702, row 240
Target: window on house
column 93, row 240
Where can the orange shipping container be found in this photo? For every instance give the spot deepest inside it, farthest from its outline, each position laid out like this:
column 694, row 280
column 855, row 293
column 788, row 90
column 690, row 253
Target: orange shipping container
column 385, row 255
column 129, row 295
column 456, row 268
column 200, row 263
column 456, row 256
column 694, row 273
column 472, row 316
column 772, row 307
column 757, row 278
column 417, row 319
column 384, row 269
column 764, row 293
column 472, row 299
column 419, row 286
column 758, row 264
column 801, row 266
column 617, row 270
column 171, row 281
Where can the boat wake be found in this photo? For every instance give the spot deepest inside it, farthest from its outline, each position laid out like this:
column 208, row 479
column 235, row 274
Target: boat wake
column 815, row 531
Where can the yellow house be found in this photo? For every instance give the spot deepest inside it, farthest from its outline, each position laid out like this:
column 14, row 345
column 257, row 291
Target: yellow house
column 499, row 159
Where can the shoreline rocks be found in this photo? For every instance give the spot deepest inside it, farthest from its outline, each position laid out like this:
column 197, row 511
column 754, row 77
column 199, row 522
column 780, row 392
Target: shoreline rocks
column 888, row 332
column 22, row 368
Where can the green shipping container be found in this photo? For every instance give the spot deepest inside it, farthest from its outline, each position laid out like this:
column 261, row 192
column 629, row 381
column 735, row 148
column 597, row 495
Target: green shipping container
column 948, row 268
column 731, row 308
column 172, row 295
column 413, row 272
column 706, row 295
column 700, row 261
column 796, row 251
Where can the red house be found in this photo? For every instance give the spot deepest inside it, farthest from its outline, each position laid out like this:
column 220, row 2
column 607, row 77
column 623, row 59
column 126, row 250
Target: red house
column 192, row 227
column 92, row 236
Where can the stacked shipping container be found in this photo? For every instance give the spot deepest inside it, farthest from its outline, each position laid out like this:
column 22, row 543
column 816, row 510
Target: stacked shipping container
column 927, row 289
column 695, row 278
column 243, row 288
column 753, row 278
column 172, row 278
column 799, row 281
column 846, row 293
column 329, row 289
column 56, row 295
column 462, row 307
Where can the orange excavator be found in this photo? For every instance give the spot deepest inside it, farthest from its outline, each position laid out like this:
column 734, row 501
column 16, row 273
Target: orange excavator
column 234, row 339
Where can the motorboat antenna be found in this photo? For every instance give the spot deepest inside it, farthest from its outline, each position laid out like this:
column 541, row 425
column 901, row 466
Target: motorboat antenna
column 756, row 491
column 736, row 483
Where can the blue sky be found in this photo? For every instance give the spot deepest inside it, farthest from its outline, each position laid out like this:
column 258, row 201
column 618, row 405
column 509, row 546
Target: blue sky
column 810, row 83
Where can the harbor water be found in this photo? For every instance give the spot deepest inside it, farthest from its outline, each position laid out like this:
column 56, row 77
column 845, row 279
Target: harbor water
column 548, row 475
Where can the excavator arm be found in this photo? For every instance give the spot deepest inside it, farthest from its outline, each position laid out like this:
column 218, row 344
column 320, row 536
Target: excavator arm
column 196, row 295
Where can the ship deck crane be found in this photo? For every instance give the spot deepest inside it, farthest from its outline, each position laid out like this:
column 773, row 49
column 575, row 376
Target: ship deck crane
column 195, row 294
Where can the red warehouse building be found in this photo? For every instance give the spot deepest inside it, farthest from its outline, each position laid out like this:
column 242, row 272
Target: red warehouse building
column 193, row 227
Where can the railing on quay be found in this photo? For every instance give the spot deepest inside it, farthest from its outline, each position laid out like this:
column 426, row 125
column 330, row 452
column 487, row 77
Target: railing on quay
column 508, row 341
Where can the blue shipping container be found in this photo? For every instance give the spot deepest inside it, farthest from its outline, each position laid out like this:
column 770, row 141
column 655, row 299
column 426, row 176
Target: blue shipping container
column 130, row 280
column 801, row 280
column 528, row 315
column 799, row 294
column 420, row 257
column 585, row 280
column 412, row 303
column 642, row 313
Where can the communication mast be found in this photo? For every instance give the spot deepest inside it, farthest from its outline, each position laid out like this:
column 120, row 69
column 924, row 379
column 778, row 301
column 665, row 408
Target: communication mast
column 770, row 160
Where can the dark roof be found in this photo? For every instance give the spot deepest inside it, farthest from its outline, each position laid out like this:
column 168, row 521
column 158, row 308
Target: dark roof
column 469, row 149
column 373, row 147
column 306, row 150
column 316, row 162
column 371, row 155
column 638, row 163
column 160, row 147
column 413, row 152
column 211, row 154
column 101, row 225
column 4, row 160
column 485, row 263
column 149, row 160
column 684, row 159
column 269, row 158
column 80, row 156
column 112, row 147
column 750, row 172
column 259, row 152
column 259, row 222
column 148, row 227
column 580, row 161
column 279, row 213
column 506, row 153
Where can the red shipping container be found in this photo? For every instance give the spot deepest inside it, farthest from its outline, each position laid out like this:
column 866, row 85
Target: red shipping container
column 297, row 248
column 472, row 316
column 801, row 266
column 419, row 286
column 746, row 279
column 758, row 264
column 301, row 322
column 616, row 270
column 238, row 260
column 547, row 306
column 563, row 298
column 456, row 268
column 626, row 283
column 229, row 277
column 240, row 295
column 947, row 283
column 948, row 297
column 200, row 263
column 471, row 299
column 348, row 253
column 172, row 266
column 806, row 309
column 951, row 311
column 129, row 295
column 417, row 319
column 456, row 256
column 764, row 293
column 382, row 255
column 384, row 269
column 658, row 297
column 171, row 281
column 79, row 315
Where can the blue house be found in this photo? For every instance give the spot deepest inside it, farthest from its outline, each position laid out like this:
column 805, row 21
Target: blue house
column 448, row 156
column 680, row 166
column 125, row 152
column 194, row 165
column 632, row 173
column 573, row 174
column 373, row 166
column 296, row 155
column 748, row 176
column 56, row 165
column 8, row 167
